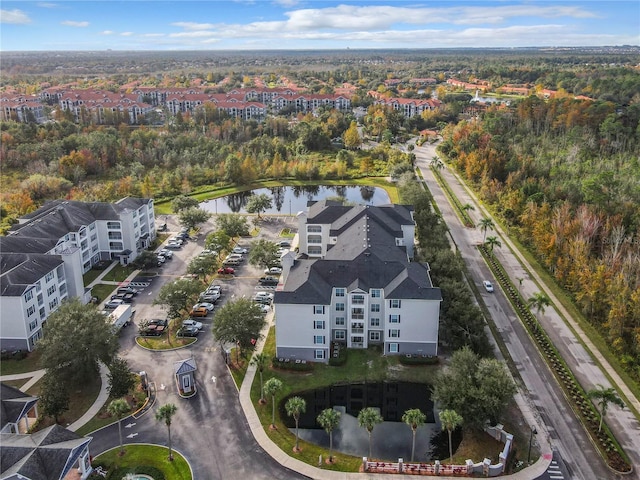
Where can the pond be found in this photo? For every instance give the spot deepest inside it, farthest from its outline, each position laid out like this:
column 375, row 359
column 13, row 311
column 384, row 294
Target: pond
column 291, row 200
column 392, row 438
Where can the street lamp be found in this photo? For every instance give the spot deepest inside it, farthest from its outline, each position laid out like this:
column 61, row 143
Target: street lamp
column 533, row 432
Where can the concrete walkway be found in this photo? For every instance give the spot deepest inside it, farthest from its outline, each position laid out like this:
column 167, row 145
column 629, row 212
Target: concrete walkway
column 101, row 399
column 286, row 460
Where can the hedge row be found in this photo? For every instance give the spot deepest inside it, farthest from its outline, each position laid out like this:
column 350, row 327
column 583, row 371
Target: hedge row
column 462, row 213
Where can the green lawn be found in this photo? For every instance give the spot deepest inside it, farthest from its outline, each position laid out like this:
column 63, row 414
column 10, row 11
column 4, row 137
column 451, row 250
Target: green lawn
column 90, row 276
column 137, row 456
column 118, row 273
column 28, row 364
column 103, row 291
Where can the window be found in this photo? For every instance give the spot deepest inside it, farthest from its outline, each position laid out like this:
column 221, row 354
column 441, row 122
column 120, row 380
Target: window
column 92, row 227
column 339, row 321
column 115, row 236
column 318, row 325
column 33, row 325
column 314, row 229
column 339, row 335
column 42, row 313
column 375, row 293
column 318, row 355
column 375, row 307
column 318, row 309
column 314, row 250
column 318, row 339
column 394, row 318
column 314, row 239
column 31, row 310
column 28, row 296
column 51, row 290
column 113, row 225
column 53, row 304
column 374, row 336
column 48, row 277
column 394, row 303
column 375, row 322
column 63, row 289
column 394, row 333
column 94, row 238
column 357, row 299
column 84, row 245
column 357, row 313
column 40, row 299
column 393, row 348
column 115, row 246
column 340, row 292
column 339, row 307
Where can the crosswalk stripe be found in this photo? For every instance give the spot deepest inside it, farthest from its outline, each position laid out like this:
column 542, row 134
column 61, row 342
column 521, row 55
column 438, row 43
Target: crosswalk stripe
column 559, row 477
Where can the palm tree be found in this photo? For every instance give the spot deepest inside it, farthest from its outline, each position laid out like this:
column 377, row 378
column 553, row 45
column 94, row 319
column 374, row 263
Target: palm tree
column 467, row 206
column 414, row 418
column 450, row 420
column 164, row 414
column 605, row 396
column 260, row 360
column 492, row 242
column 436, row 163
column 117, row 408
column 539, row 301
column 329, row 419
column 271, row 387
column 368, row 418
column 295, row 406
column 485, row 223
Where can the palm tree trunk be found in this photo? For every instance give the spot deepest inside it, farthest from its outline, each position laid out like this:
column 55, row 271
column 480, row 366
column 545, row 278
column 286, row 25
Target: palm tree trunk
column 330, row 447
column 120, row 434
column 273, row 410
column 450, row 448
column 413, row 445
column 170, row 454
column 369, row 444
column 261, row 387
column 601, row 419
column 297, row 435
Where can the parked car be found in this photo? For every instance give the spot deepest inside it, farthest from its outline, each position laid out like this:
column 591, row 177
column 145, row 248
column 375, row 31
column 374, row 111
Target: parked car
column 235, row 256
column 263, row 297
column 268, row 281
column 240, row 250
column 166, row 253
column 209, row 296
column 215, row 288
column 231, row 262
column 488, row 286
column 192, row 323
column 187, row 332
column 113, row 304
column 161, row 258
column 199, row 312
column 125, row 297
column 176, row 240
column 273, row 270
column 284, row 244
column 226, row 271
column 206, row 251
column 173, row 246
column 264, row 308
column 209, row 306
column 130, row 290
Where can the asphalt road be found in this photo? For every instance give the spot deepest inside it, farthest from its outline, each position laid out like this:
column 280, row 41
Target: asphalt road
column 557, row 421
column 210, row 429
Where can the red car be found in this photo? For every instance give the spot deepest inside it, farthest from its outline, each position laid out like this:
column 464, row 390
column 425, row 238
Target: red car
column 226, row 271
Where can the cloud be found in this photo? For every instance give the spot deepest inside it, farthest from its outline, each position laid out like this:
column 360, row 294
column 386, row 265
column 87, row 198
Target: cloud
column 196, row 34
column 72, row 23
column 126, row 34
column 107, row 32
column 286, row 3
column 16, row 16
column 194, row 26
column 47, row 5
column 149, row 35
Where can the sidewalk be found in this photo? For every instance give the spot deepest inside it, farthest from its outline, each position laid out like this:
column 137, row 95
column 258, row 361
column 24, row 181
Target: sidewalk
column 101, row 399
column 287, row 461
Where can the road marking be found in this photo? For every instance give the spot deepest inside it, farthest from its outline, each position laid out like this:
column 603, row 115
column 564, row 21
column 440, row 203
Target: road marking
column 129, row 425
column 213, row 379
column 131, row 435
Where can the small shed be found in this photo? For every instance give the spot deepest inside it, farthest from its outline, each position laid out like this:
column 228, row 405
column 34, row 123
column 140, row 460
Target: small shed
column 185, row 377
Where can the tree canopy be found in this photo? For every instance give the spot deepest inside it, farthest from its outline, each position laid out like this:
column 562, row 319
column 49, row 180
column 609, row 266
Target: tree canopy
column 192, row 217
column 177, row 296
column 239, row 322
column 263, row 253
column 258, row 203
column 233, row 225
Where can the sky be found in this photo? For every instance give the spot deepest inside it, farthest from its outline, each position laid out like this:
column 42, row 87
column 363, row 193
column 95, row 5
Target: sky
column 310, row 24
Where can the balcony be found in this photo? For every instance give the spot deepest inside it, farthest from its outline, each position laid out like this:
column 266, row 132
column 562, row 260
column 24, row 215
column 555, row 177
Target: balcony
column 357, row 330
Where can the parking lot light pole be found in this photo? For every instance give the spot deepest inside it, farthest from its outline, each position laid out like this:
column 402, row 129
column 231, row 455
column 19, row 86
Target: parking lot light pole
column 533, row 432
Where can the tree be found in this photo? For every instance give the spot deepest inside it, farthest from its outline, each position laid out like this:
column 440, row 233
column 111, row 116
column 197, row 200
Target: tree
column 294, row 407
column 272, row 387
column 202, row 265
column 182, row 202
column 233, row 224
column 218, row 241
column 121, row 379
column 368, row 418
column 165, row 414
column 258, row 203
column 263, row 253
column 436, row 163
column 54, row 396
column 478, row 389
column 467, row 206
column 450, row 420
column 603, row 397
column 146, row 260
column 492, row 242
column 192, row 217
column 176, row 296
column 414, row 418
column 239, row 322
column 117, row 408
column 76, row 339
column 260, row 360
column 539, row 301
column 329, row 419
column 485, row 224
column 351, row 137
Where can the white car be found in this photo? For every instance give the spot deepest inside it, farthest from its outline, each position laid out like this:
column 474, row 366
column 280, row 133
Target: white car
column 168, row 254
column 273, row 271
column 192, row 323
column 112, row 304
column 264, row 308
column 208, row 252
column 263, row 297
column 488, row 286
column 207, row 305
column 240, row 250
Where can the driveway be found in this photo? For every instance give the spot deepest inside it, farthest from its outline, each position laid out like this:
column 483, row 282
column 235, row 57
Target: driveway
column 210, row 429
column 544, row 394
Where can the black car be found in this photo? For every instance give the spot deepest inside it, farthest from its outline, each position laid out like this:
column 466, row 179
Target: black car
column 130, row 290
column 125, row 297
column 268, row 281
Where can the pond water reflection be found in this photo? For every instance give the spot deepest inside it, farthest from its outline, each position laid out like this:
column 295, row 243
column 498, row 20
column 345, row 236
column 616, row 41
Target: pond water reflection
column 392, row 438
column 290, row 200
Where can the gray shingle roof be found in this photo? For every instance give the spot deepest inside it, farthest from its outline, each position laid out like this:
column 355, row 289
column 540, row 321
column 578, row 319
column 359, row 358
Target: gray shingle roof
column 20, row 271
column 19, row 244
column 14, row 404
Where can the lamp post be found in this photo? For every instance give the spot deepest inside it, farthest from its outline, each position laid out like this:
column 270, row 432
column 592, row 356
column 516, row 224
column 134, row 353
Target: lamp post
column 533, row 432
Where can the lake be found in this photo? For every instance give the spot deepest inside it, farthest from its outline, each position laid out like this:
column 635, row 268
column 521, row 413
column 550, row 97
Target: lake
column 291, row 200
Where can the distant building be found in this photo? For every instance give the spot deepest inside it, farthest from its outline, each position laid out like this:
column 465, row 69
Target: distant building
column 354, row 283
column 45, row 255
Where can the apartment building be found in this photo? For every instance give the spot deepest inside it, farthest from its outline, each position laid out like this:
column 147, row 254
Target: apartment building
column 354, row 282
column 45, row 255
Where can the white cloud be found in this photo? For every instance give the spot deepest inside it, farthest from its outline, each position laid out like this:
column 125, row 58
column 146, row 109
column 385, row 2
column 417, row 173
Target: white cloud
column 286, row 3
column 47, row 5
column 149, row 35
column 194, row 26
column 73, row 23
column 126, row 34
column 197, row 34
column 107, row 32
column 14, row 16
